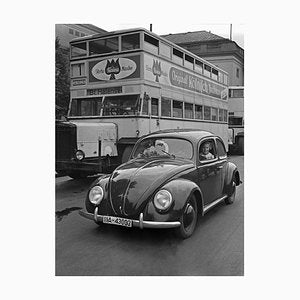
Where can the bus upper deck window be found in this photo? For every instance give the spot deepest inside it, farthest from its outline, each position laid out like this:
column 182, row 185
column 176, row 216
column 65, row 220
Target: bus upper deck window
column 102, row 46
column 214, row 74
column 78, row 50
column 130, row 42
column 207, row 70
column 198, row 66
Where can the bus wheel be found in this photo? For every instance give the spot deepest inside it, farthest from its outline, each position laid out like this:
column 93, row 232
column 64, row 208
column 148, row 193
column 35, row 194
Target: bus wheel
column 126, row 153
column 241, row 145
column 76, row 175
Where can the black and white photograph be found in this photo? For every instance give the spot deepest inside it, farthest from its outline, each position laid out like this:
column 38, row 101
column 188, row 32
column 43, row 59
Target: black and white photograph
column 142, row 146
column 149, row 151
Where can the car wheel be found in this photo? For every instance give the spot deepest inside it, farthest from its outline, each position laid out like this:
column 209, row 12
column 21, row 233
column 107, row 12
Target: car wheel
column 230, row 199
column 188, row 220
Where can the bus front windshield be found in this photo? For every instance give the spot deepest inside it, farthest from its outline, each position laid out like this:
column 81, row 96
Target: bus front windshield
column 121, row 105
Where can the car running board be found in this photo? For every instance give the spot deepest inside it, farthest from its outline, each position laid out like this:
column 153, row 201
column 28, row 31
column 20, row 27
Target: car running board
column 212, row 204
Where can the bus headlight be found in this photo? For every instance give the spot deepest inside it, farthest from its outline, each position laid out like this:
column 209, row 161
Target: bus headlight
column 163, row 200
column 96, row 194
column 79, row 154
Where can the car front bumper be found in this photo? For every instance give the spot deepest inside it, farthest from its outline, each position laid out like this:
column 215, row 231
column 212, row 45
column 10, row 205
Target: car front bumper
column 135, row 223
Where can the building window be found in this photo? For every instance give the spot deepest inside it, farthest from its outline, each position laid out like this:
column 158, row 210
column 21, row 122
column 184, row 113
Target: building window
column 165, row 107
column 235, row 121
column 71, row 31
column 177, row 109
column 77, row 33
column 236, row 93
column 237, row 72
column 82, row 34
column 188, row 111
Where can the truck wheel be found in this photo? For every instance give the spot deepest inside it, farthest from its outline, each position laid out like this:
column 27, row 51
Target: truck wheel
column 126, row 153
column 241, row 145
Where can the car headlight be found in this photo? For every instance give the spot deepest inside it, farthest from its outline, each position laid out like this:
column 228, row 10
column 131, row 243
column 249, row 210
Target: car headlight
column 96, row 194
column 163, row 200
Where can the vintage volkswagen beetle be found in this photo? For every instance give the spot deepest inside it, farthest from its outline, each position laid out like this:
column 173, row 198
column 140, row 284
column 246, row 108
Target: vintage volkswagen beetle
column 168, row 182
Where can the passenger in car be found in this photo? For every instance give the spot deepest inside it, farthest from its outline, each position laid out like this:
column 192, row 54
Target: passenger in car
column 161, row 147
column 205, row 154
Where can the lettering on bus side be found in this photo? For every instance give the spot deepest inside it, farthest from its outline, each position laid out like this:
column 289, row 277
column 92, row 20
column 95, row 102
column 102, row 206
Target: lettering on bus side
column 191, row 82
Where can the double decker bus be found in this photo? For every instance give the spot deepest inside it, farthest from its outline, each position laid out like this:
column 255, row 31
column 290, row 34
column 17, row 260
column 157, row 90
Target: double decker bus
column 236, row 119
column 128, row 83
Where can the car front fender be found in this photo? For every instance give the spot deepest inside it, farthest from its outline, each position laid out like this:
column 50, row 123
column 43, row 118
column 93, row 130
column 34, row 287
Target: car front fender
column 181, row 190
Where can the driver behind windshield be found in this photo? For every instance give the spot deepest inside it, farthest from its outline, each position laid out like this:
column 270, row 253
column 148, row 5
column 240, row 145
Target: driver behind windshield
column 160, row 148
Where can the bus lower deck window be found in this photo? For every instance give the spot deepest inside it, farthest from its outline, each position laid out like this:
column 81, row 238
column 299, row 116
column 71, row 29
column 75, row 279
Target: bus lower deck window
column 188, row 111
column 121, row 105
column 199, row 112
column 177, row 109
column 165, row 107
column 154, row 107
column 207, row 113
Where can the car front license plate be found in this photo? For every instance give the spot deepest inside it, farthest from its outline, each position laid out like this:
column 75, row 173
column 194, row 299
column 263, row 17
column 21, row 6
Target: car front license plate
column 117, row 221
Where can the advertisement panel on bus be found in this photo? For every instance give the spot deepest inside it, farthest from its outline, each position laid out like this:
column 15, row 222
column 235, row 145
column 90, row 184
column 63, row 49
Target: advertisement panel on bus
column 166, row 73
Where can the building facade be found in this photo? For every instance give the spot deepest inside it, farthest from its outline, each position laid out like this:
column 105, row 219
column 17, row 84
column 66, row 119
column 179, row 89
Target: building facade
column 222, row 52
column 68, row 32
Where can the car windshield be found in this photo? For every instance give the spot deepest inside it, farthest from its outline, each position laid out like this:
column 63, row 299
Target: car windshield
column 167, row 147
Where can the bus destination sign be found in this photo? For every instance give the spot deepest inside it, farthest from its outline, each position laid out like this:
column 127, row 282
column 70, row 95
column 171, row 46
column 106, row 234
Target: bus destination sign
column 103, row 91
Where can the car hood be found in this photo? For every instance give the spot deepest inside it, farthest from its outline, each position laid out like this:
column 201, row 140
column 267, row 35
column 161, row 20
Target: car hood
column 131, row 185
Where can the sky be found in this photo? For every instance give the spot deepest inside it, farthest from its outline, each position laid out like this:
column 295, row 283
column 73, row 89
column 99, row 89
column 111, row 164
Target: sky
column 161, row 28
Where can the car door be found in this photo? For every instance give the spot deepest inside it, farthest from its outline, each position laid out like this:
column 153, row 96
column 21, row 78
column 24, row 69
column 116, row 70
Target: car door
column 221, row 166
column 208, row 172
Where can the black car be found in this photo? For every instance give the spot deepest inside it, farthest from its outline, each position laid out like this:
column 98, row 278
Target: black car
column 171, row 178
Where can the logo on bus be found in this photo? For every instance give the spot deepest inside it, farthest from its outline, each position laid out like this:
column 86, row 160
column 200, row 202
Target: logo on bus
column 156, row 69
column 115, row 68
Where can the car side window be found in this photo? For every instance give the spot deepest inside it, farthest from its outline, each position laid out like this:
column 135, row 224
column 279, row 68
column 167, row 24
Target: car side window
column 207, row 151
column 221, row 149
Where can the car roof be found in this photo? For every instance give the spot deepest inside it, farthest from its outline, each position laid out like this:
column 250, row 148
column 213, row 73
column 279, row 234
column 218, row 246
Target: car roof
column 189, row 134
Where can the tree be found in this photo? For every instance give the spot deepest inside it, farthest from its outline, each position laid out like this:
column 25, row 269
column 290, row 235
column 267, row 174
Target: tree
column 62, row 79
